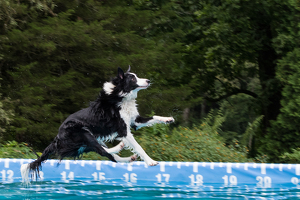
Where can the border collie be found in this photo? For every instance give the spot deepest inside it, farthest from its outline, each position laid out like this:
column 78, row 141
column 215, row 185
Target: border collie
column 109, row 117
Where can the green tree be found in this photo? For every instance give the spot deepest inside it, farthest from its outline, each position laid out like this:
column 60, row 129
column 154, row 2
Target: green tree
column 56, row 55
column 285, row 129
column 240, row 110
column 13, row 13
column 281, row 136
column 6, row 116
column 54, row 64
column 234, row 42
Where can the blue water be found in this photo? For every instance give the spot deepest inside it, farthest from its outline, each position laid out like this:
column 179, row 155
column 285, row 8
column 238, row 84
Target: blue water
column 147, row 190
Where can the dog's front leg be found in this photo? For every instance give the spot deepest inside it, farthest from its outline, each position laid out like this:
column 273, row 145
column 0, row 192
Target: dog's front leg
column 166, row 120
column 131, row 142
column 149, row 121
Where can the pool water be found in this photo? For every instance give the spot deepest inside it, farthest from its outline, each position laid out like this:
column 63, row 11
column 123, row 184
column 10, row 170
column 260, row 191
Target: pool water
column 168, row 180
column 147, row 190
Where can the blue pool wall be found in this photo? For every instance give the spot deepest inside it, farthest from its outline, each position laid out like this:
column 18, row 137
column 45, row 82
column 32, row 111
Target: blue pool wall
column 192, row 173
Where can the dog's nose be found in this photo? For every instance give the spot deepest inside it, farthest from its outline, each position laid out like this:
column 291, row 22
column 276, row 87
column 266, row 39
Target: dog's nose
column 148, row 81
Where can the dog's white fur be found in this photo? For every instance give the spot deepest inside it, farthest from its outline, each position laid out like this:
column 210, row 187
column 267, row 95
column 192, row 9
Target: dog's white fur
column 129, row 113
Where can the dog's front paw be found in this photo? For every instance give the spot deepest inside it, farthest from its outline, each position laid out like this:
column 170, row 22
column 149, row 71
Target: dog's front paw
column 166, row 120
column 169, row 120
column 151, row 162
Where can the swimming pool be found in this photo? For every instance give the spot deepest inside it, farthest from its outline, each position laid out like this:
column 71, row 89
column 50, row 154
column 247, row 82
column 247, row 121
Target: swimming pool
column 171, row 180
column 111, row 190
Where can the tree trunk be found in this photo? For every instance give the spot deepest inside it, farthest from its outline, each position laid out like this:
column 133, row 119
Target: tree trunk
column 267, row 58
column 186, row 113
column 203, row 107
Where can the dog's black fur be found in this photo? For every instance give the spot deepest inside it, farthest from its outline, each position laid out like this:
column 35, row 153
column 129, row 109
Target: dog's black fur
column 80, row 131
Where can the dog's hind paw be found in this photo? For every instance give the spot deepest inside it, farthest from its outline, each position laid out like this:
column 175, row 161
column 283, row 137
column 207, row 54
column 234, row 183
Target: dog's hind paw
column 133, row 158
column 151, row 162
column 125, row 159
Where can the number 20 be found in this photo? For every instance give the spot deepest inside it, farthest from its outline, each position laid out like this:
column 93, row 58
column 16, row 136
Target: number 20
column 264, row 181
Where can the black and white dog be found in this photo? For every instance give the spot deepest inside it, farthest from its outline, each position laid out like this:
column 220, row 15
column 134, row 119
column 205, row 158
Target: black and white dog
column 109, row 117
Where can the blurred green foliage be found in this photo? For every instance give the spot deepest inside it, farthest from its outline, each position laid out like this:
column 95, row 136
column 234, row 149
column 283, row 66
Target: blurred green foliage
column 201, row 143
column 198, row 144
column 13, row 149
column 291, row 157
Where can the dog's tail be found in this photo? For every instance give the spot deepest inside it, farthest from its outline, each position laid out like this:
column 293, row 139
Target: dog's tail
column 33, row 168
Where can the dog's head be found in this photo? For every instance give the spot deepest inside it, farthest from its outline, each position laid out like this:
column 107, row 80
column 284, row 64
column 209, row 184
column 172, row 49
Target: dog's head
column 125, row 83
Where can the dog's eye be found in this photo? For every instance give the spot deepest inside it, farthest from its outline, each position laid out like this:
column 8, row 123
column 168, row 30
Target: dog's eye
column 133, row 79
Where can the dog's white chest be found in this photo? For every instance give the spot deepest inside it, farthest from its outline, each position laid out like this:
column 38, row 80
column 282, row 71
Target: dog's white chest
column 128, row 111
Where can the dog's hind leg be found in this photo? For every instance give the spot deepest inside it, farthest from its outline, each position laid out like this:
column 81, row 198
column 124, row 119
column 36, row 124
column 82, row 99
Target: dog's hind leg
column 116, row 149
column 132, row 143
column 35, row 166
column 125, row 159
column 92, row 143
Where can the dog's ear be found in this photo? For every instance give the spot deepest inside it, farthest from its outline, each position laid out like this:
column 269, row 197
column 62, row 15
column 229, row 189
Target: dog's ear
column 129, row 68
column 120, row 73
